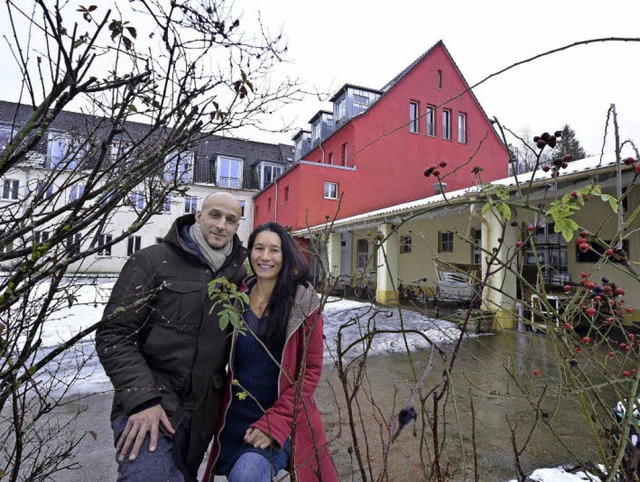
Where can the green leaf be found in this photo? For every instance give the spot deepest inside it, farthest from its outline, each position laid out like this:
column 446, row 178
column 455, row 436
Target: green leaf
column 241, row 395
column 486, row 207
column 613, row 202
column 504, row 210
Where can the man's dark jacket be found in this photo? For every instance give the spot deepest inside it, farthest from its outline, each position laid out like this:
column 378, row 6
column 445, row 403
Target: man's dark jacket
column 159, row 339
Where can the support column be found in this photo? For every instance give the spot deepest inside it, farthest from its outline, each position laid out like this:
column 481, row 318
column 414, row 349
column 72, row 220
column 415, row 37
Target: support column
column 500, row 293
column 334, row 250
column 387, row 270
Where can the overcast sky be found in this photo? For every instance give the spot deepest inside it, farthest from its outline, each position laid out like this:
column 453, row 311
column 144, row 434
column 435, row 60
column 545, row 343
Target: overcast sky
column 367, row 43
column 333, row 42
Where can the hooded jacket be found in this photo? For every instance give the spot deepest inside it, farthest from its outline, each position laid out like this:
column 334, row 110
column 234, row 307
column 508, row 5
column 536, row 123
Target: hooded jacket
column 300, row 372
column 160, row 340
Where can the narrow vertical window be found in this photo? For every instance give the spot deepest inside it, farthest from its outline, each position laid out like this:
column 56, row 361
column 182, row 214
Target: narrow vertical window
column 133, row 244
column 286, row 194
column 10, row 189
column 462, row 128
column 446, row 124
column 431, row 120
column 331, row 158
column 269, row 205
column 242, row 203
column 191, row 204
column 439, row 79
column 413, row 117
column 104, row 245
column 344, row 154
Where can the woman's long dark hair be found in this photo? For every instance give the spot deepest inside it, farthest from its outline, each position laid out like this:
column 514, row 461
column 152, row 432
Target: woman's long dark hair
column 295, row 271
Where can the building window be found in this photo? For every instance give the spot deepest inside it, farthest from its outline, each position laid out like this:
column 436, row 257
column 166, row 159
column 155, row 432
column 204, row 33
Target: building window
column 5, row 137
column 242, row 204
column 462, row 128
column 229, row 172
column 73, row 244
column 360, row 100
column 255, row 211
column 362, row 253
column 331, row 190
column 446, row 124
column 65, row 152
column 269, row 205
column 431, row 120
column 166, row 208
column 178, row 167
column 445, row 241
column 10, row 188
column 286, row 194
column 413, row 117
column 341, row 110
column 133, row 244
column 76, row 192
column 5, row 247
column 191, row 204
column 331, row 158
column 159, row 240
column 104, row 245
column 439, row 79
column 136, row 200
column 405, row 244
column 477, row 246
column 344, row 154
column 268, row 172
column 315, row 132
column 41, row 237
column 45, row 189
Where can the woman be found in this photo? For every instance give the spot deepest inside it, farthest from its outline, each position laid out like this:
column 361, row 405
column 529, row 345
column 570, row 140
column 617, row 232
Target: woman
column 275, row 369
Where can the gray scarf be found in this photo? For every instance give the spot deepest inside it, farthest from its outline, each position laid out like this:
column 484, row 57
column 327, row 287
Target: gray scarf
column 215, row 257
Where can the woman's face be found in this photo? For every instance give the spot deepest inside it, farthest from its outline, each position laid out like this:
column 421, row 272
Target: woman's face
column 266, row 255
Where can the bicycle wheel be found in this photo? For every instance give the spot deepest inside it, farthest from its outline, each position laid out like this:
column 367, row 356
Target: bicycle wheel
column 357, row 290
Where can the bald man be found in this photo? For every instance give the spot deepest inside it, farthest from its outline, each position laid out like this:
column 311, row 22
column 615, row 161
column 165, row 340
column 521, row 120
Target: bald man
column 161, row 345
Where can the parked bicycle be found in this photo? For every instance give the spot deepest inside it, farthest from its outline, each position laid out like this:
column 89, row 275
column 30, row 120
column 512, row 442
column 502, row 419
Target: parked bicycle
column 413, row 291
column 365, row 288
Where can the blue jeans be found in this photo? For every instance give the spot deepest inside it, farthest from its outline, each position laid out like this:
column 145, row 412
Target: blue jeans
column 251, row 467
column 167, row 463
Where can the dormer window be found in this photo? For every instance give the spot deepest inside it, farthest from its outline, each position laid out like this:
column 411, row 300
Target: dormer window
column 178, row 167
column 341, row 109
column 65, row 152
column 268, row 172
column 229, row 172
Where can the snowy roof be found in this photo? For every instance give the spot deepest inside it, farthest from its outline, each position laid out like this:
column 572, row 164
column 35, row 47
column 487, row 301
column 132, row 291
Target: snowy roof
column 578, row 169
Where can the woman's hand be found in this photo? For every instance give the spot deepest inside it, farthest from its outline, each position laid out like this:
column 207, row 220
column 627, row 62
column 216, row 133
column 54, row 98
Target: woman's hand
column 257, row 438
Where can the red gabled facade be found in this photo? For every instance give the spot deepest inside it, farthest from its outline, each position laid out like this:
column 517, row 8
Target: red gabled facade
column 385, row 160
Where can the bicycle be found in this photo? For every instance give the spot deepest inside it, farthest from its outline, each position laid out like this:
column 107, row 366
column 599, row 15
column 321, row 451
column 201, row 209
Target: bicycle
column 365, row 288
column 413, row 291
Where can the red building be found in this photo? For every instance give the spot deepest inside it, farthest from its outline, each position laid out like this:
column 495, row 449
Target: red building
column 372, row 149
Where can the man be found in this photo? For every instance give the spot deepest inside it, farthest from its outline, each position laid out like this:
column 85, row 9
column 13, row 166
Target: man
column 162, row 347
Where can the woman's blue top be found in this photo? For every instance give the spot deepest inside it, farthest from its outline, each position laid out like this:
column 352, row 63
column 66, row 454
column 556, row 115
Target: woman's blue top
column 258, row 375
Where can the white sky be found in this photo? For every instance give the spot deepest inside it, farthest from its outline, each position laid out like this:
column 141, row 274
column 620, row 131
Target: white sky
column 334, row 42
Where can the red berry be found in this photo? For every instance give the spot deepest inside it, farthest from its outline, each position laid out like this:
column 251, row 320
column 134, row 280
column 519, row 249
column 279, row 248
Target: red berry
column 536, row 138
column 518, row 244
column 585, row 197
column 578, row 349
column 436, row 172
column 591, row 285
column 443, row 164
column 567, row 325
column 629, row 310
column 427, row 172
column 631, row 336
column 584, row 275
column 546, row 168
column 619, row 292
column 591, row 311
column 540, row 144
column 620, row 301
column 580, row 240
column 558, row 133
column 598, row 298
column 536, row 373
column 609, row 321
column 544, row 136
column 612, row 355
column 551, row 140
column 531, row 228
column 584, row 234
column 609, row 252
column 564, row 165
column 567, row 157
column 637, row 168
column 574, row 194
column 629, row 160
column 568, row 288
column 586, row 340
column 625, row 373
column 584, row 247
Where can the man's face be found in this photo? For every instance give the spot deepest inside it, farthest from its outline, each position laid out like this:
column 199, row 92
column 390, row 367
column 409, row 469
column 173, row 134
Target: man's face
column 219, row 219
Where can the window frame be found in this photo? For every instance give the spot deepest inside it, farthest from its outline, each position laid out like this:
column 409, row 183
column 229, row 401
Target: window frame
column 104, row 245
column 190, row 204
column 228, row 181
column 330, row 186
column 344, row 154
column 462, row 127
column 414, row 117
column 430, row 119
column 10, row 189
column 178, row 167
column 445, row 241
column 262, row 169
column 362, row 257
column 65, row 157
column 136, row 200
column 76, row 192
column 134, row 244
column 406, row 244
column 446, row 124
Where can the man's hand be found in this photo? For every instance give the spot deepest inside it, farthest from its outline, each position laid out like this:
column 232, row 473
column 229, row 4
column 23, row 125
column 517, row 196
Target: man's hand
column 257, row 438
column 137, row 427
